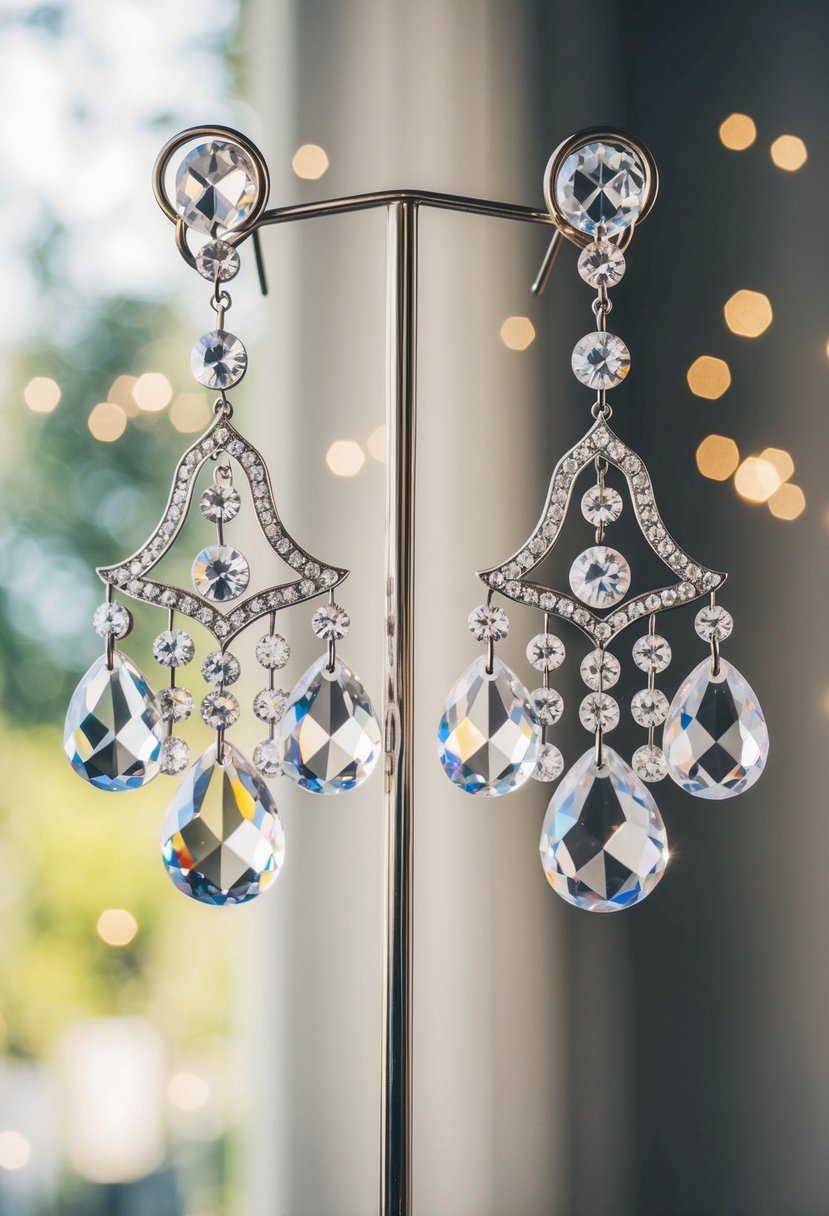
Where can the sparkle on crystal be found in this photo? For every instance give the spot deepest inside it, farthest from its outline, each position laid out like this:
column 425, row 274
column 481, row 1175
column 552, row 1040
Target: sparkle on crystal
column 601, row 185
column 218, row 360
column 215, row 187
column 600, row 577
column 545, row 652
column 111, row 620
column 600, row 360
column 220, row 503
column 600, row 668
column 651, row 652
column 176, row 703
column 550, row 763
column 272, row 651
column 175, row 753
column 488, row 622
column 601, row 505
column 713, row 623
column 649, row 707
column 217, row 261
column 221, row 667
column 331, row 623
column 220, row 573
column 649, row 762
column 173, row 648
column 601, row 264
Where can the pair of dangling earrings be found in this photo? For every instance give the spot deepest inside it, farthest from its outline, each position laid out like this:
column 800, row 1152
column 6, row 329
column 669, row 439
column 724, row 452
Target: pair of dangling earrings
column 603, row 843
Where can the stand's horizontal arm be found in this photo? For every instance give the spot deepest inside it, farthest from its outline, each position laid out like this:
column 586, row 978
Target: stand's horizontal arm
column 422, row 198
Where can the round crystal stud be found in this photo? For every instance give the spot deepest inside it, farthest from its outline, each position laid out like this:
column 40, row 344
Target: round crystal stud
column 601, row 264
column 176, row 704
column 649, row 707
column 111, row 621
column 601, row 185
column 272, row 650
column 550, row 763
column 218, row 360
column 221, row 668
column 548, row 705
column 599, row 709
column 175, row 753
column 331, row 623
column 714, row 624
column 215, row 187
column 266, row 757
column 488, row 623
column 600, row 360
column 220, row 573
column 220, row 710
column 219, row 504
column 173, row 648
column 649, row 762
column 219, row 262
column 545, row 652
column 600, row 577
column 651, row 653
column 269, row 704
column 599, row 667
column 601, row 505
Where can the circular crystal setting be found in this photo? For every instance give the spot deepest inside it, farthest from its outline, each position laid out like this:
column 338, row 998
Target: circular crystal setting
column 269, row 704
column 111, row 621
column 220, row 573
column 714, row 624
column 600, row 577
column 175, row 754
column 600, row 360
column 219, row 504
column 218, row 359
column 221, row 668
column 599, row 709
column 267, row 759
column 599, row 667
column 215, row 187
column 488, row 623
column 550, row 763
column 220, row 710
column 649, row 762
column 219, row 262
column 649, row 707
column 272, row 650
column 176, row 704
column 601, row 185
column 173, row 648
column 651, row 653
column 331, row 623
column 601, row 505
column 545, row 652
column 601, row 264
column 548, row 705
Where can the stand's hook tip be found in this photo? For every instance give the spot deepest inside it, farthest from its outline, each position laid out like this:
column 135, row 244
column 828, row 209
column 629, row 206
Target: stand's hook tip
column 260, row 263
column 547, row 265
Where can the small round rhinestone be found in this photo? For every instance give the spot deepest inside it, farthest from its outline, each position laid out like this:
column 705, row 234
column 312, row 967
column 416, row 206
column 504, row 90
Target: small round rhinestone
column 111, row 621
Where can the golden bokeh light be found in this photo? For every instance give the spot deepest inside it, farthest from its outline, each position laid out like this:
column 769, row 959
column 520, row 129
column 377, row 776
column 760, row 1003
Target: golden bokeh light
column 789, row 152
column 376, row 444
column 42, row 395
column 190, row 412
column 756, row 480
column 345, row 458
column 310, row 162
column 780, row 460
column 116, row 927
column 15, row 1150
column 120, row 393
column 787, row 502
column 717, row 457
column 152, row 392
column 748, row 313
column 709, row 377
column 188, row 1091
column 517, row 333
column 107, row 421
column 738, row 132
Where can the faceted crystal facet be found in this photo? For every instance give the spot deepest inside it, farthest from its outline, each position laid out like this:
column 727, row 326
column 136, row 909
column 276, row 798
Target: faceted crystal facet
column 599, row 709
column 600, row 360
column 601, row 185
column 715, row 740
column 651, row 652
column 220, row 573
column 173, row 648
column 599, row 669
column 175, row 753
column 601, row 505
column 601, row 264
column 218, row 359
column 650, row 763
column 547, row 704
column 545, row 652
column 649, row 707
column 488, row 736
column 220, row 503
column 272, row 650
column 603, row 843
column 713, row 623
column 328, row 733
column 176, row 703
column 218, row 261
column 550, row 763
column 266, row 757
column 222, row 841
column 331, row 623
column 221, row 667
column 488, row 623
column 113, row 730
column 111, row 620
column 600, row 577
column 215, row 187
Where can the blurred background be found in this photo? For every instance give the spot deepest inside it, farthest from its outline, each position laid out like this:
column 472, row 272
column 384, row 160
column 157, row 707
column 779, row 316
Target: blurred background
column 159, row 1057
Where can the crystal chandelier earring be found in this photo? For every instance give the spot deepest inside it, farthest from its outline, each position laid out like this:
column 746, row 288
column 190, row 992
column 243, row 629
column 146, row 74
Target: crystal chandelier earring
column 222, row 841
column 603, row 842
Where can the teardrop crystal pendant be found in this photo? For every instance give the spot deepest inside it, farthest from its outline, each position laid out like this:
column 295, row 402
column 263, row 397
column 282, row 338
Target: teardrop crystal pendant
column 113, row 729
column 603, row 843
column 488, row 737
column 715, row 741
column 328, row 733
column 222, row 840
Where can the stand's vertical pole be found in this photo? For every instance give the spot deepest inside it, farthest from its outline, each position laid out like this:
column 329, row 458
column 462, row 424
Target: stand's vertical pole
column 401, row 320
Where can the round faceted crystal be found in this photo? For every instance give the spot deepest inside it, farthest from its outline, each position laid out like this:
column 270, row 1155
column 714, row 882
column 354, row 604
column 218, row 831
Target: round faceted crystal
column 176, row 704
column 600, row 577
column 600, row 360
column 217, row 261
column 111, row 621
column 269, row 704
column 545, row 652
column 220, row 503
column 601, row 186
column 599, row 709
column 547, row 704
column 331, row 623
column 649, row 707
column 266, row 758
column 221, row 668
column 601, row 264
column 218, row 359
column 220, row 573
column 714, row 624
column 600, row 668
column 215, row 187
column 488, row 623
column 601, row 505
column 175, row 754
column 550, row 763
column 272, row 650
column 650, row 763
column 603, row 844
column 219, row 710
column 651, row 653
column 173, row 648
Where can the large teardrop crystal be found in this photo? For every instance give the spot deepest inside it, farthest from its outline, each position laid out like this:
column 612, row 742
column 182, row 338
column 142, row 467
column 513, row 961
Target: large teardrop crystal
column 113, row 729
column 603, row 843
column 222, row 840
column 715, row 739
column 328, row 733
column 488, row 737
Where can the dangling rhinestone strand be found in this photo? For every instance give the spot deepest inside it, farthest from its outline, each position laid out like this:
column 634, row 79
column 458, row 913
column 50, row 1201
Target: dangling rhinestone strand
column 546, row 653
column 649, row 707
